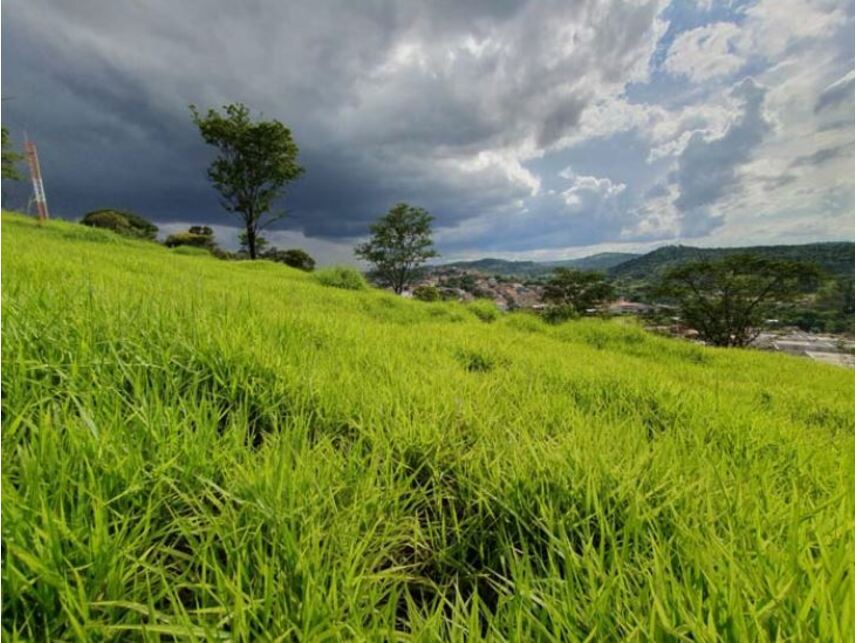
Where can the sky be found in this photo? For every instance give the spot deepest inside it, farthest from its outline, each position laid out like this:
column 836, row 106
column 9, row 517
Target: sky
column 530, row 130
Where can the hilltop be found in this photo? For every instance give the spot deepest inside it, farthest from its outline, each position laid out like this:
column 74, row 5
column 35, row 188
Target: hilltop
column 205, row 449
column 600, row 262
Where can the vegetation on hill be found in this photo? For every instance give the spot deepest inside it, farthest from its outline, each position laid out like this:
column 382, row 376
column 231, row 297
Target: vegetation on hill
column 195, row 237
column 600, row 262
column 122, row 222
column 836, row 258
column 9, row 157
column 294, row 257
column 200, row 449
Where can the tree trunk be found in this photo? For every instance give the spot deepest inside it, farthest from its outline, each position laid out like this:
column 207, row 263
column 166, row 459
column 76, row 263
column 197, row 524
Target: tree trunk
column 251, row 241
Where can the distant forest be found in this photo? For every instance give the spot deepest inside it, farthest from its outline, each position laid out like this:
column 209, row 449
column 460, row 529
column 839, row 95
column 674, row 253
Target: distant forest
column 829, row 308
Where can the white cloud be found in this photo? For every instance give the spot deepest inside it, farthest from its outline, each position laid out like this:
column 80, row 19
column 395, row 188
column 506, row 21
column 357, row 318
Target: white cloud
column 706, row 52
column 585, row 190
column 774, row 26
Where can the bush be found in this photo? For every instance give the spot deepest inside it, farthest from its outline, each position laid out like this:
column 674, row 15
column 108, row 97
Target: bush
column 204, row 241
column 559, row 313
column 295, row 257
column 220, row 253
column 126, row 223
column 426, row 293
column 341, row 277
column 484, row 309
column 108, row 221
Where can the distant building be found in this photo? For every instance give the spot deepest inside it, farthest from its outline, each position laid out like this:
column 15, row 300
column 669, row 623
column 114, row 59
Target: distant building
column 623, row 307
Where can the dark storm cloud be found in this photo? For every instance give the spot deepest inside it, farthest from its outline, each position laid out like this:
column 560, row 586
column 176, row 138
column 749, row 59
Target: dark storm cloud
column 388, row 101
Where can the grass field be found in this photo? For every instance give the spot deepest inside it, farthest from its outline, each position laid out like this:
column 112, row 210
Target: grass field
column 200, row 449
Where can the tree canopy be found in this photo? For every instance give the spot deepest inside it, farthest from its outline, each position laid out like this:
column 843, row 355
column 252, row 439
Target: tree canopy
column 579, row 289
column 401, row 242
column 256, row 160
column 10, row 158
column 728, row 300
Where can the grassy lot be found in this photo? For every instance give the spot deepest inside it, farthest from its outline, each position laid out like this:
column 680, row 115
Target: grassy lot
column 199, row 449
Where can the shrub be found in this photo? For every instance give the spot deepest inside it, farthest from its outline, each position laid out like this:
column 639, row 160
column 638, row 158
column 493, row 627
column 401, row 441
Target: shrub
column 341, row 277
column 484, row 309
column 204, row 241
column 126, row 223
column 475, row 361
column 109, row 221
column 426, row 293
column 295, row 257
column 559, row 313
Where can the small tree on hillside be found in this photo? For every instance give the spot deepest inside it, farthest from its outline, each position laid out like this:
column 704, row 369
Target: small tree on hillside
column 576, row 289
column 727, row 300
column 256, row 161
column 401, row 242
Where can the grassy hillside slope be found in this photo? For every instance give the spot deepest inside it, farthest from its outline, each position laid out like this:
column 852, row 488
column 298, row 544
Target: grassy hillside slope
column 227, row 450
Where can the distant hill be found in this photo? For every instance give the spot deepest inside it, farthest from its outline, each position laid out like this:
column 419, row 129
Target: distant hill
column 837, row 258
column 602, row 261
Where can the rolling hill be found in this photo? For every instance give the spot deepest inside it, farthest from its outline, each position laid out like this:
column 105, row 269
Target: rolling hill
column 196, row 449
column 599, row 262
column 837, row 258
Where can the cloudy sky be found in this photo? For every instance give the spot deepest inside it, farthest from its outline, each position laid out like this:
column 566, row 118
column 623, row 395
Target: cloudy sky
column 531, row 130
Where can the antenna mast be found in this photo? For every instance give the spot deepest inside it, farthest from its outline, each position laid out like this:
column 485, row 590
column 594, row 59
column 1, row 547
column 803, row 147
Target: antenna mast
column 36, row 174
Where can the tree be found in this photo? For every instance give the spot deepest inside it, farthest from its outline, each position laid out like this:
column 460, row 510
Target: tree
column 401, row 242
column 579, row 290
column 256, row 161
column 244, row 247
column 10, row 158
column 296, row 258
column 727, row 300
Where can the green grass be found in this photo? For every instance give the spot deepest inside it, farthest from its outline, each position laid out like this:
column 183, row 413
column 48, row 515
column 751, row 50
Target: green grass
column 341, row 277
column 199, row 449
column 191, row 251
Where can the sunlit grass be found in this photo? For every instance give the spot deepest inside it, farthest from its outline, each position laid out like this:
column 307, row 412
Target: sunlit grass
column 195, row 448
